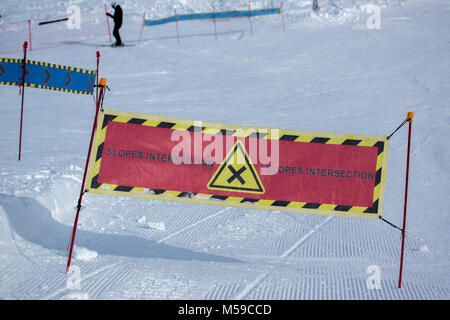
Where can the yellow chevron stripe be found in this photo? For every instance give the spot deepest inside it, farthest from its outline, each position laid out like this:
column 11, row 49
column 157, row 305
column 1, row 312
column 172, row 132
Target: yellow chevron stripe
column 265, row 202
column 235, row 199
column 122, row 119
column 172, row 193
column 327, row 207
column 366, row 143
column 376, row 192
column 273, row 135
column 202, row 196
column 357, row 209
column 243, row 133
column 379, row 161
column 97, row 167
column 294, row 204
column 180, row 126
column 335, row 141
column 151, row 123
column 304, row 139
column 105, row 186
column 212, row 131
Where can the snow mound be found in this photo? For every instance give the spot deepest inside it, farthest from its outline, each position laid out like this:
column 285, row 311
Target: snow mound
column 84, row 254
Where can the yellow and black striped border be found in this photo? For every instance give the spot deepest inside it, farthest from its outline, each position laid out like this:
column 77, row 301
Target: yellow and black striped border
column 381, row 142
column 50, row 65
column 11, row 60
column 46, row 64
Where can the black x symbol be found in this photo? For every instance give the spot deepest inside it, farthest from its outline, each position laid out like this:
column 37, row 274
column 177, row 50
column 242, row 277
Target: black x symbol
column 236, row 174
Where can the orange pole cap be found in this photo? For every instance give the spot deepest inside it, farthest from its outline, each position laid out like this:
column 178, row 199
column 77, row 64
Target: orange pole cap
column 102, row 82
column 410, row 117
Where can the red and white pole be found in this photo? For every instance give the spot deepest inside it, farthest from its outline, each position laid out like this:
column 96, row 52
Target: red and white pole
column 409, row 118
column 102, row 85
column 25, row 45
column 96, row 78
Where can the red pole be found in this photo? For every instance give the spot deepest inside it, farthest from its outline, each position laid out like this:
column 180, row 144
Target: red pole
column 72, row 240
column 29, row 34
column 176, row 21
column 410, row 118
column 214, row 19
column 107, row 22
column 25, row 45
column 96, row 80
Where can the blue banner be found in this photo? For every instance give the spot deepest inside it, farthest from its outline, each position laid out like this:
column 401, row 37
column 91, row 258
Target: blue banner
column 214, row 15
column 48, row 76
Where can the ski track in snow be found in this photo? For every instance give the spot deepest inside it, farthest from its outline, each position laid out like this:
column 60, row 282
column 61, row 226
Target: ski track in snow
column 111, row 275
column 260, row 278
column 95, row 286
column 193, row 225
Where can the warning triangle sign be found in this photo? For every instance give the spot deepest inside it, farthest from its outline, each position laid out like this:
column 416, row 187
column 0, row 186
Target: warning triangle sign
column 236, row 173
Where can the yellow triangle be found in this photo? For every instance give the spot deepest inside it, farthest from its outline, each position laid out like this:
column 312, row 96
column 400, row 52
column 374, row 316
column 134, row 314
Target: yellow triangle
column 237, row 173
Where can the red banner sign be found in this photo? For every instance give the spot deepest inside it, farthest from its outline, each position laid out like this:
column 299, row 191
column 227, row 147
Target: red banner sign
column 175, row 159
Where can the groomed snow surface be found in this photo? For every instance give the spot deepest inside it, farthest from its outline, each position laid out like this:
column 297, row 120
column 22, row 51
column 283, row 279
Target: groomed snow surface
column 325, row 73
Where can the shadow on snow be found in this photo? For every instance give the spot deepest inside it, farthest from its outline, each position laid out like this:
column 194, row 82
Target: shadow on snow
column 34, row 223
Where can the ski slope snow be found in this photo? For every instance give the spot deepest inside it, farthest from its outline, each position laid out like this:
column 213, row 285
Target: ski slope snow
column 326, row 72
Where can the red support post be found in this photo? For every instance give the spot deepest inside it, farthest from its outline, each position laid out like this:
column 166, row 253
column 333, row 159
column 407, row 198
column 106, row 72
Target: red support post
column 97, row 77
column 409, row 118
column 25, row 45
column 102, row 85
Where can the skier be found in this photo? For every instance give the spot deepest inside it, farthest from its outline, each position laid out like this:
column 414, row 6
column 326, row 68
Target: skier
column 315, row 5
column 118, row 17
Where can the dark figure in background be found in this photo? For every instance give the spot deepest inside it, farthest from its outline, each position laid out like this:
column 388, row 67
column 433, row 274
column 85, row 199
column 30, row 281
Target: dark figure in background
column 315, row 5
column 118, row 17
